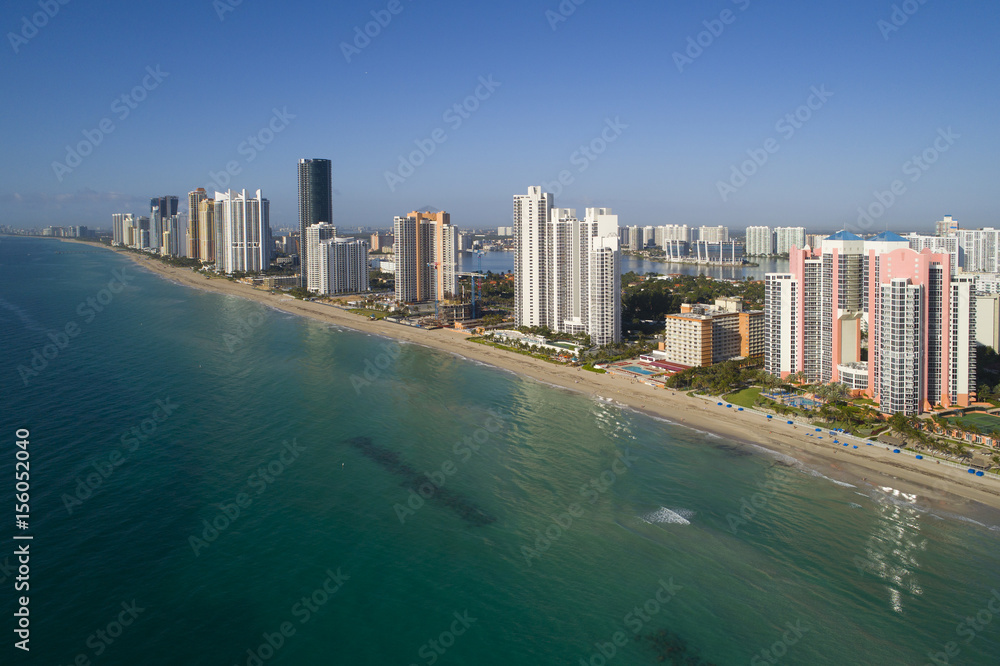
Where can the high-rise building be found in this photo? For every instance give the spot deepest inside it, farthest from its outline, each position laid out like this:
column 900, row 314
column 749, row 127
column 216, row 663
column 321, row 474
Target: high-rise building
column 336, row 265
column 675, row 232
column 381, row 241
column 161, row 208
column 315, row 203
column 174, row 236
column 718, row 234
column 140, row 233
column 979, row 250
column 567, row 271
column 760, row 242
column 195, row 197
column 315, row 233
column 119, row 223
column 988, row 320
column 785, row 238
column 937, row 244
column 946, row 226
column 531, row 219
column 919, row 319
column 424, row 244
column 206, row 230
column 243, row 233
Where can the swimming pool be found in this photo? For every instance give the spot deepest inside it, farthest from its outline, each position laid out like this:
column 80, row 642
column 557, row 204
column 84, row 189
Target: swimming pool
column 637, row 370
column 801, row 402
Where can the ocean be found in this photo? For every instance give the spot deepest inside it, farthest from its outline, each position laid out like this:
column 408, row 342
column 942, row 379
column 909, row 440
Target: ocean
column 216, row 482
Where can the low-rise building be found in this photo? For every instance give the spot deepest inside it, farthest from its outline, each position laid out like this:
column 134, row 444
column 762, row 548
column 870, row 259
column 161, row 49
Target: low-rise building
column 701, row 335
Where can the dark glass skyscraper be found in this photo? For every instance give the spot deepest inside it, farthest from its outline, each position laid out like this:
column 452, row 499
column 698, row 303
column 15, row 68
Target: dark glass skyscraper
column 161, row 208
column 315, row 203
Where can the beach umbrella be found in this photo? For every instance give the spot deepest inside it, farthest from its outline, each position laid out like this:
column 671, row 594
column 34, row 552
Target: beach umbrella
column 895, row 450
column 855, row 446
column 768, row 416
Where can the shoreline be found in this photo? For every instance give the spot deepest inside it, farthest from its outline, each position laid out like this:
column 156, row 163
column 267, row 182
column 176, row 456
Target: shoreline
column 942, row 486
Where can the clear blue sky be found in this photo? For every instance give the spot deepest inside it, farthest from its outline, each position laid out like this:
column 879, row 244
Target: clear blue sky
column 685, row 129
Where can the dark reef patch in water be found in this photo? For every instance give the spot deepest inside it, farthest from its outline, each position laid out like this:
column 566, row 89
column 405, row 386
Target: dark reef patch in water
column 670, row 648
column 420, row 484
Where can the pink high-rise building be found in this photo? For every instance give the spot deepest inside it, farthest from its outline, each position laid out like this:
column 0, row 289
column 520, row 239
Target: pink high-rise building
column 918, row 318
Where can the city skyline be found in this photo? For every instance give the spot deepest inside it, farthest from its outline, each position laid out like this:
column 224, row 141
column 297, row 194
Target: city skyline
column 723, row 114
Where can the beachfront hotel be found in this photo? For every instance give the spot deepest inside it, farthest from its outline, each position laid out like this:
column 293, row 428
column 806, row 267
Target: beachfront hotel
column 567, row 271
column 701, row 335
column 315, row 204
column 243, row 233
column 336, row 265
column 425, row 246
column 919, row 319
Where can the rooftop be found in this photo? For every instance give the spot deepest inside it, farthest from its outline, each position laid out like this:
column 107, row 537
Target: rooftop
column 843, row 234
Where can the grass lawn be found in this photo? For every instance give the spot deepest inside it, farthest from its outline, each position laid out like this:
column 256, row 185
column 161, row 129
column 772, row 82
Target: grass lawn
column 745, row 397
column 985, row 422
column 364, row 312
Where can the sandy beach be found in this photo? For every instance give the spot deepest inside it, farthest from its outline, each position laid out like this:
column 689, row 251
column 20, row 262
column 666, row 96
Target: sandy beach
column 940, row 485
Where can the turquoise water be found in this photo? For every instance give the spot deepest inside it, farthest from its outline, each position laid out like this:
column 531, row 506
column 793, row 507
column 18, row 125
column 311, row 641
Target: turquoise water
column 680, row 545
column 801, row 402
column 638, row 370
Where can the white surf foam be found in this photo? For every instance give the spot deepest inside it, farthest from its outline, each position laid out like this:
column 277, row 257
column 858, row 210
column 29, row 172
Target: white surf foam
column 663, row 515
